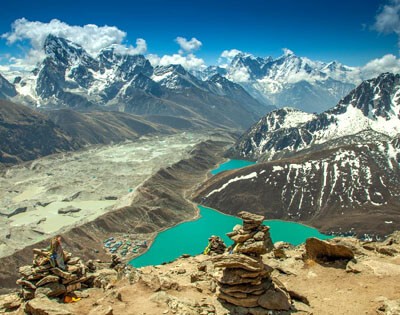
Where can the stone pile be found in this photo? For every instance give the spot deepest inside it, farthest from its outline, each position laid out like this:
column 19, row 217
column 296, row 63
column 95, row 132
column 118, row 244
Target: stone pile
column 216, row 245
column 244, row 280
column 42, row 278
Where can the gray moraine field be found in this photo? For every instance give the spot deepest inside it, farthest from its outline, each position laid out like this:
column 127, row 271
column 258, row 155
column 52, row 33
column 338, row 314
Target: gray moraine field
column 54, row 193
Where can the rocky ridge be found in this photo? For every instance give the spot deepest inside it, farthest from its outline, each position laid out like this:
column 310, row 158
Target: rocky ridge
column 372, row 108
column 69, row 77
column 318, row 278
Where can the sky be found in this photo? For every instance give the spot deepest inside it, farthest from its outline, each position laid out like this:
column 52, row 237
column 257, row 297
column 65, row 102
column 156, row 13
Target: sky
column 195, row 33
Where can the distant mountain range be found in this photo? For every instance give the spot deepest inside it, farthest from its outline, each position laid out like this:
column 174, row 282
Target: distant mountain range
column 234, row 94
column 289, row 80
column 339, row 170
column 69, row 77
column 372, row 109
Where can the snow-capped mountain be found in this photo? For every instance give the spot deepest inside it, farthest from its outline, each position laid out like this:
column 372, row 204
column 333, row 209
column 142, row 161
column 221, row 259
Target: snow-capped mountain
column 347, row 189
column 372, row 110
column 70, row 77
column 289, row 80
column 338, row 171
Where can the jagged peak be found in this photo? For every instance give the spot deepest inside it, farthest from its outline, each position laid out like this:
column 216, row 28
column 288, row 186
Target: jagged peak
column 177, row 68
column 287, row 52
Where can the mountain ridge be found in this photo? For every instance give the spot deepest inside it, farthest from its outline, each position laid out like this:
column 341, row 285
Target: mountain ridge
column 69, row 77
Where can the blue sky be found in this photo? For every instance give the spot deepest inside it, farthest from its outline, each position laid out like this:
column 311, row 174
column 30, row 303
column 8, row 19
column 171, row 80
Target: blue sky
column 323, row 30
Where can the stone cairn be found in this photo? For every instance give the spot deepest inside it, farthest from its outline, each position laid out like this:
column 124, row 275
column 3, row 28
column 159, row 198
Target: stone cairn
column 216, row 246
column 42, row 278
column 244, row 280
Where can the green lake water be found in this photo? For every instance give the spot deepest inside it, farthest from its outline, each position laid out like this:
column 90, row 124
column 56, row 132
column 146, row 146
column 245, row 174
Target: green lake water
column 192, row 237
column 231, row 165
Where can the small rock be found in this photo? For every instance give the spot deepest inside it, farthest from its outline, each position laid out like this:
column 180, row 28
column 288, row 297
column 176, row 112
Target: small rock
column 69, row 209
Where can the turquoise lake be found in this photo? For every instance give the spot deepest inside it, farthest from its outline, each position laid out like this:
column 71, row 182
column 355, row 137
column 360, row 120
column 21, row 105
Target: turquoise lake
column 192, row 237
column 231, row 165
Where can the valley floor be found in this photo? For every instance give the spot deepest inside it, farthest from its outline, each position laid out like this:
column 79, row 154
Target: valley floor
column 95, row 180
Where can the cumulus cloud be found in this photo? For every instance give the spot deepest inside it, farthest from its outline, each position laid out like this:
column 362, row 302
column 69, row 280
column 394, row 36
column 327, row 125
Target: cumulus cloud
column 189, row 62
column 188, row 45
column 388, row 63
column 388, row 19
column 91, row 37
column 184, row 57
column 228, row 55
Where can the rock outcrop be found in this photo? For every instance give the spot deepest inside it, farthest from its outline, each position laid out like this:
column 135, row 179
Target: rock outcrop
column 325, row 251
column 244, row 280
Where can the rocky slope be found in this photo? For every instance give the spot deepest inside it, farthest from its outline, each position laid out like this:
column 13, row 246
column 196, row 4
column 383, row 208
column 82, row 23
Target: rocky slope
column 27, row 135
column 348, row 189
column 69, row 77
column 318, row 276
column 290, row 80
column 157, row 204
column 104, row 127
column 373, row 107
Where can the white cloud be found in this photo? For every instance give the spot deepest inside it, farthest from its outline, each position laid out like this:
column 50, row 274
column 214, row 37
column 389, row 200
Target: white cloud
column 388, row 63
column 227, row 56
column 188, row 45
column 189, row 62
column 184, row 57
column 91, row 37
column 141, row 48
column 230, row 54
column 388, row 19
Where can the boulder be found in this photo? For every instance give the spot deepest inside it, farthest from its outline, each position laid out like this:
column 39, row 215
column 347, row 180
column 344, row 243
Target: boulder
column 389, row 307
column 9, row 302
column 43, row 306
column 69, row 209
column 325, row 251
column 103, row 277
column 275, row 299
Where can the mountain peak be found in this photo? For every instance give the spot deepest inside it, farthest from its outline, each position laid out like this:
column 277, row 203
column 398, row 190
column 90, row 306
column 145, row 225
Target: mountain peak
column 287, row 52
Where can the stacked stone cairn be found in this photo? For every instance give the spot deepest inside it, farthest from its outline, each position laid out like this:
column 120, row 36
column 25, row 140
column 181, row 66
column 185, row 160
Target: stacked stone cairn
column 217, row 245
column 244, row 280
column 42, row 278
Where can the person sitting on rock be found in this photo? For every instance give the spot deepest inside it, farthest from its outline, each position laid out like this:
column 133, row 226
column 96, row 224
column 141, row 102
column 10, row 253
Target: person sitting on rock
column 57, row 255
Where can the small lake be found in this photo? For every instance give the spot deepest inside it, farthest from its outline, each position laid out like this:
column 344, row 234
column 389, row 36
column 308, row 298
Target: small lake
column 231, row 165
column 192, row 237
